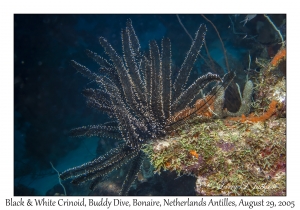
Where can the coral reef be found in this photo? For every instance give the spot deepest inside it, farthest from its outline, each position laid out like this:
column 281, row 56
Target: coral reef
column 227, row 158
column 238, row 155
column 270, row 85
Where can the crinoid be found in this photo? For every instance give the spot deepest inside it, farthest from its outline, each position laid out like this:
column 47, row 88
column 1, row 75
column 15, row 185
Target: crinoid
column 138, row 92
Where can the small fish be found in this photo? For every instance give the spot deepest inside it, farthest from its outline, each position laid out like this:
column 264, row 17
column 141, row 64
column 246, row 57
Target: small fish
column 248, row 18
column 245, row 36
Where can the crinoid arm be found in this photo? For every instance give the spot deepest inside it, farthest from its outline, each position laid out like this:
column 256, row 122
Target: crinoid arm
column 97, row 130
column 177, row 120
column 132, row 173
column 184, row 72
column 100, row 166
column 189, row 94
column 136, row 90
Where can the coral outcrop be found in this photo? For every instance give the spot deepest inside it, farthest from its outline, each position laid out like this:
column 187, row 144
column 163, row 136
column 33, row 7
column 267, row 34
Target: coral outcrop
column 243, row 154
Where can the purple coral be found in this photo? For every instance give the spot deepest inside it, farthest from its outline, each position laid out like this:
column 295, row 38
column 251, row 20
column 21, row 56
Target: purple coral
column 194, row 167
column 225, row 146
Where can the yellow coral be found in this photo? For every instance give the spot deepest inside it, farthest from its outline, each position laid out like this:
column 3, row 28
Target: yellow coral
column 194, row 153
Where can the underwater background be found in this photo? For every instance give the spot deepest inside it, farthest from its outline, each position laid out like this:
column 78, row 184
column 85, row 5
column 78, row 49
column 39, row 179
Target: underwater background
column 47, row 89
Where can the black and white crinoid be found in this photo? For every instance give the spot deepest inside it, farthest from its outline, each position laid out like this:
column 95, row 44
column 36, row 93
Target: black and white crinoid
column 138, row 93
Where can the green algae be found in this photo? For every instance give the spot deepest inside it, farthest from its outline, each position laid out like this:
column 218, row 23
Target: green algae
column 233, row 158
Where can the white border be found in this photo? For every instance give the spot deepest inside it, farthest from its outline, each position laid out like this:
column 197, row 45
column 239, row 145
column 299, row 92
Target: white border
column 8, row 8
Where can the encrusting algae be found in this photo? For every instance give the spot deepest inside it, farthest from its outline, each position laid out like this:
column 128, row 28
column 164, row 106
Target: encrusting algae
column 281, row 55
column 252, row 118
column 237, row 155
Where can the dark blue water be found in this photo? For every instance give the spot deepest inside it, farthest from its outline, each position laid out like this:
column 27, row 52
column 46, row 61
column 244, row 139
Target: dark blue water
column 47, row 90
